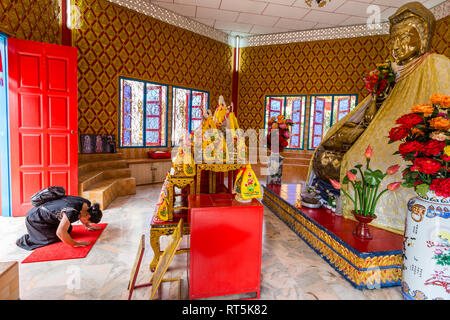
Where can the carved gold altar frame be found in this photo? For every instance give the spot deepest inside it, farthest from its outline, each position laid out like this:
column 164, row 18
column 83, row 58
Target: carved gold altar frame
column 214, row 168
column 156, row 232
column 176, row 180
column 179, row 182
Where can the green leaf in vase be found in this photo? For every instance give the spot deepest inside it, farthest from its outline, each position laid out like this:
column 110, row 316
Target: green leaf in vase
column 373, row 178
column 422, row 189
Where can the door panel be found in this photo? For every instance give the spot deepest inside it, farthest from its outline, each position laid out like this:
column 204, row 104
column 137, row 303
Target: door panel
column 5, row 203
column 30, row 182
column 43, row 117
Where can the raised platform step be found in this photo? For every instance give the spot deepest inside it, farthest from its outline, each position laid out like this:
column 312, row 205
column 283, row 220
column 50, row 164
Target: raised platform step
column 92, row 177
column 296, row 161
column 292, row 173
column 105, row 191
column 101, row 165
column 95, row 157
column 366, row 264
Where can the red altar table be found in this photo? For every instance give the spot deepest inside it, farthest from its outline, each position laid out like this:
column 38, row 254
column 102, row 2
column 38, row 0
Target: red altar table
column 225, row 247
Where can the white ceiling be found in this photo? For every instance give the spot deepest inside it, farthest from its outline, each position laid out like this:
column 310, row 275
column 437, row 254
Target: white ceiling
column 253, row 17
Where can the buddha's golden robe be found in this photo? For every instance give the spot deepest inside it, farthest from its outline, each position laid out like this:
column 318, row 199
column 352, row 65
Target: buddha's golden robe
column 431, row 76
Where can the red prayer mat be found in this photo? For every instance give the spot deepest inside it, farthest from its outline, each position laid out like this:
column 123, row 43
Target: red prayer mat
column 62, row 251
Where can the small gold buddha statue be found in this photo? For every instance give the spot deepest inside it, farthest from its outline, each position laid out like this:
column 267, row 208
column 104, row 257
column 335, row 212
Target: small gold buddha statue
column 411, row 30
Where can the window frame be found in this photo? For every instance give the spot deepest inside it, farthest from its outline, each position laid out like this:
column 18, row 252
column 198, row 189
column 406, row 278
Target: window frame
column 144, row 115
column 283, row 112
column 310, row 123
column 323, row 118
column 189, row 111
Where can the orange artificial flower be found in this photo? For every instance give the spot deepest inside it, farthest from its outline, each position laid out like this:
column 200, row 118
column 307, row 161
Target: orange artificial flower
column 426, row 109
column 369, row 152
column 351, row 176
column 392, row 169
column 440, row 123
column 393, row 186
column 336, row 184
column 440, row 99
column 417, row 131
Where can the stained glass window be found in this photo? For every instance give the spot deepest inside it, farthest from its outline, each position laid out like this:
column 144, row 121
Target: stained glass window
column 292, row 107
column 156, row 106
column 342, row 105
column 143, row 113
column 199, row 105
column 295, row 110
column 180, row 109
column 188, row 109
column 274, row 108
column 325, row 111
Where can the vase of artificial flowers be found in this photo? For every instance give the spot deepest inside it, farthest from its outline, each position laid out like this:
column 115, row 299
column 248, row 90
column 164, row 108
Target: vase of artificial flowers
column 366, row 193
column 425, row 147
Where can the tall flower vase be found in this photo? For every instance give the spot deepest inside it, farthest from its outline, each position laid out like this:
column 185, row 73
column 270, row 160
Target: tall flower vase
column 275, row 169
column 426, row 249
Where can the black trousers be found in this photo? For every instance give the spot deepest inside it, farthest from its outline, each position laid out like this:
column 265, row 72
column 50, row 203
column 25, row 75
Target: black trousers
column 39, row 234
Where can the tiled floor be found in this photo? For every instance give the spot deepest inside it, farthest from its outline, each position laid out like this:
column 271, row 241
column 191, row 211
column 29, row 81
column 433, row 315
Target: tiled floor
column 290, row 268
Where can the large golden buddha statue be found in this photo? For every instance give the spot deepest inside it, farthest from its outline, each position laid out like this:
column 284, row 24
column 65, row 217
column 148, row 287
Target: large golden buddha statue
column 419, row 74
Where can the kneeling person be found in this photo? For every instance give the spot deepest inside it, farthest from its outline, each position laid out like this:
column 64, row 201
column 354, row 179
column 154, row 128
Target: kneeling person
column 51, row 222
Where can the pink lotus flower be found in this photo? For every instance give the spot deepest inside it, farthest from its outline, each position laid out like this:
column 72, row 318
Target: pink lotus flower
column 369, row 153
column 394, row 186
column 392, row 169
column 335, row 184
column 350, row 176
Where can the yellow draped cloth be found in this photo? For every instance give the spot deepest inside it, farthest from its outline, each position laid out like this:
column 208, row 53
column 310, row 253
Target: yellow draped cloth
column 431, row 76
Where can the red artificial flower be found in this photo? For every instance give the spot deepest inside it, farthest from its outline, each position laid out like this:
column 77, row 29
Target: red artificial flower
column 351, row 176
column 445, row 157
column 398, row 133
column 393, row 186
column 369, row 152
column 335, row 184
column 433, row 147
column 409, row 120
column 427, row 165
column 441, row 187
column 392, row 169
column 409, row 146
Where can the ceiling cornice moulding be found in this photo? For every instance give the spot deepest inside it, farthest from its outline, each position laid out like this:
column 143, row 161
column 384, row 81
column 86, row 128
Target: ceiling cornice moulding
column 154, row 11
column 363, row 30
column 146, row 7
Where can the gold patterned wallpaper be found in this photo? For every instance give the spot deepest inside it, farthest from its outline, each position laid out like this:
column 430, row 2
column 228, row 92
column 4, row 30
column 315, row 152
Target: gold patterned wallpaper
column 37, row 20
column 318, row 67
column 113, row 41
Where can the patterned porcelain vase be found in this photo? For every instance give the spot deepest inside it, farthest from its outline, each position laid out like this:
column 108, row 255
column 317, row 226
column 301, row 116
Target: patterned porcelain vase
column 426, row 249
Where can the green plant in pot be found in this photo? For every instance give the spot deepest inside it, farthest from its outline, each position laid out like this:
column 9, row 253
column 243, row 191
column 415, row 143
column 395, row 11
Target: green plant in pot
column 366, row 192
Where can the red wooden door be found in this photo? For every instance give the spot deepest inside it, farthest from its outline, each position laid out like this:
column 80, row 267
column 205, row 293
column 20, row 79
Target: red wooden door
column 43, row 119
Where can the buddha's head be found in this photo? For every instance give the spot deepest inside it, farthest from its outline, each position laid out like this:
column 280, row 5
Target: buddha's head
column 411, row 30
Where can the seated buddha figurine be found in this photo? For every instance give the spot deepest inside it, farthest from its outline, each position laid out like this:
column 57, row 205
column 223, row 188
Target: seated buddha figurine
column 419, row 74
